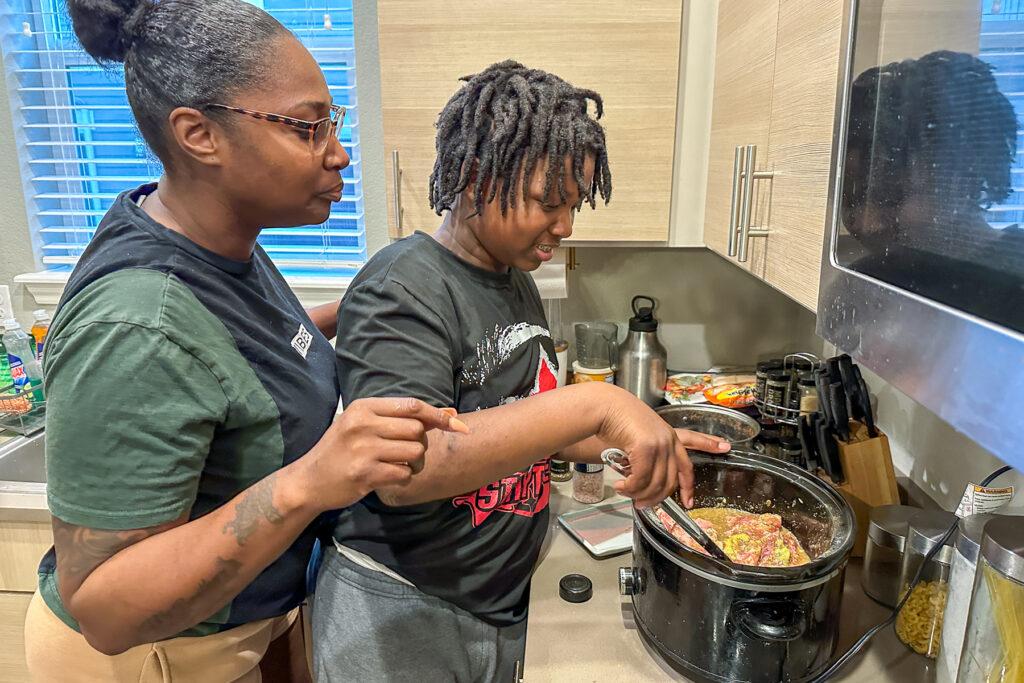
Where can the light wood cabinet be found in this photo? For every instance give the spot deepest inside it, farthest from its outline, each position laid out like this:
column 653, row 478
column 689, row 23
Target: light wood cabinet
column 776, row 78
column 744, row 71
column 800, row 145
column 628, row 52
column 22, row 545
column 12, row 637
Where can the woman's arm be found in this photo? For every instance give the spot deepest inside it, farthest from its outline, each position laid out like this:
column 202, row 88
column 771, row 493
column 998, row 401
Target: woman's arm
column 510, row 438
column 136, row 586
column 325, row 317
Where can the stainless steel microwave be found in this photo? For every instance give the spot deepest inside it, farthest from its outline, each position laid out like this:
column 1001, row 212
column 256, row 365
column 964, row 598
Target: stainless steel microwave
column 923, row 268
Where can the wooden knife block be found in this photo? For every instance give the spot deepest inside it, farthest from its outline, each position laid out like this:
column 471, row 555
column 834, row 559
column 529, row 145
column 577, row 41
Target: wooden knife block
column 870, row 477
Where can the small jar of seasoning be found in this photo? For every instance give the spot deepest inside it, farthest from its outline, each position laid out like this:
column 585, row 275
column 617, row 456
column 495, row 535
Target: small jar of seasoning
column 919, row 624
column 883, row 554
column 560, row 470
column 588, row 482
column 776, row 391
column 791, row 450
column 769, row 439
column 761, row 375
column 808, row 394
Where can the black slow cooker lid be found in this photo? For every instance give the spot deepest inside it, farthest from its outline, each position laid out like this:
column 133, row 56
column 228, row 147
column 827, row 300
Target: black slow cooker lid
column 819, row 517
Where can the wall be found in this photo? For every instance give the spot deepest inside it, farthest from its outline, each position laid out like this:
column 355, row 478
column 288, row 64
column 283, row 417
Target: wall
column 711, row 312
column 15, row 247
column 940, row 460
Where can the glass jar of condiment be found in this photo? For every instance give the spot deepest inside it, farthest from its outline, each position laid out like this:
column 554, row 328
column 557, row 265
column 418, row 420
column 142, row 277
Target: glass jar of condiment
column 791, row 450
column 588, row 482
column 776, row 391
column 966, row 548
column 993, row 649
column 919, row 624
column 883, row 555
column 560, row 470
column 761, row 375
column 808, row 391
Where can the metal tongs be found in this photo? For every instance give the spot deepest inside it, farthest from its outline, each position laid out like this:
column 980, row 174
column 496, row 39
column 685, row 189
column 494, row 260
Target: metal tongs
column 618, row 460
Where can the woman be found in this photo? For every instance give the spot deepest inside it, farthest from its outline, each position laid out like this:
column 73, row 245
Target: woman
column 191, row 438
column 431, row 578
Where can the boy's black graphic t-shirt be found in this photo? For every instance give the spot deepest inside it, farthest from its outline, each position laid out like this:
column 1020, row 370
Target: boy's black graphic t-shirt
column 419, row 321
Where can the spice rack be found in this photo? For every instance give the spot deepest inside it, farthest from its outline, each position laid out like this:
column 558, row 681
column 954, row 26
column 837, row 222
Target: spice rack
column 22, row 412
column 775, row 411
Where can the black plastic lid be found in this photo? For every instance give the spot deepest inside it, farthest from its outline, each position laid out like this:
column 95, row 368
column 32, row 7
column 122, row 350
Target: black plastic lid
column 780, row 375
column 643, row 319
column 769, row 365
column 575, row 588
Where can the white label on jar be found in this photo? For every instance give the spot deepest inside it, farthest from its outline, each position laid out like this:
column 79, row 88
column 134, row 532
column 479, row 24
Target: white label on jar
column 978, row 500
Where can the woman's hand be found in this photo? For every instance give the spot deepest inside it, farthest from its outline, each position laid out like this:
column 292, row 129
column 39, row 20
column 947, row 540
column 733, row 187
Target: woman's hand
column 374, row 443
column 658, row 462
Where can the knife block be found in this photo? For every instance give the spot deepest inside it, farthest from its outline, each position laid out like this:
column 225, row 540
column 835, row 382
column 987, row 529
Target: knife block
column 870, row 477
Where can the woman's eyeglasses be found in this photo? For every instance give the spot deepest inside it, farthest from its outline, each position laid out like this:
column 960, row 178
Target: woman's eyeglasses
column 319, row 131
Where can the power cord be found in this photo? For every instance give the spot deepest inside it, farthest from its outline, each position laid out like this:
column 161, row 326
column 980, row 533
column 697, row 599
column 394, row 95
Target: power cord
column 845, row 658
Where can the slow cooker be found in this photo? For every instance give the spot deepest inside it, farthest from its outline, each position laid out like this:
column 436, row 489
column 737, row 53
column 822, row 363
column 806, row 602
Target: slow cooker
column 714, row 621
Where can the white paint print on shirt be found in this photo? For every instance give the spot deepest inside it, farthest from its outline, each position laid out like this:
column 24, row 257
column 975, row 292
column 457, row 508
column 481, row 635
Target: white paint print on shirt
column 496, row 347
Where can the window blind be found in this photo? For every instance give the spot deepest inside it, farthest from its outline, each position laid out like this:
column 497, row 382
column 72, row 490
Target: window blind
column 1001, row 45
column 79, row 145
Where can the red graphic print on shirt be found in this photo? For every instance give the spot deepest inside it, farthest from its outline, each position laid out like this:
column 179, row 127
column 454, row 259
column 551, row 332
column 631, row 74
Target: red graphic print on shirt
column 524, row 493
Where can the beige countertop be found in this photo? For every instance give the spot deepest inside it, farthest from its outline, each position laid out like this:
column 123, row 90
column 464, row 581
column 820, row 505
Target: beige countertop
column 596, row 641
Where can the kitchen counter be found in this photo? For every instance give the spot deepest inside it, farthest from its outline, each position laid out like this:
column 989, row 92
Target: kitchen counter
column 597, row 640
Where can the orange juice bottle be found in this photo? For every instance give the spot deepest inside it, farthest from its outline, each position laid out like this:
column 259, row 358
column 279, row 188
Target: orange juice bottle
column 40, row 328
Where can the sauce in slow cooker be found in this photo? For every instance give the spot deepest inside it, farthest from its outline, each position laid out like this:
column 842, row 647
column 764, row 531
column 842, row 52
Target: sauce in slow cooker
column 747, row 538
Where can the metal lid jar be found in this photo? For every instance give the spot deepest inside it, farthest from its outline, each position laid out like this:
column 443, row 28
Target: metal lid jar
column 883, row 556
column 966, row 548
column 919, row 624
column 994, row 646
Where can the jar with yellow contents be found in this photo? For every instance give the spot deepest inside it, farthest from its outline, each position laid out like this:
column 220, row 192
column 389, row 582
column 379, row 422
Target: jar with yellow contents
column 919, row 624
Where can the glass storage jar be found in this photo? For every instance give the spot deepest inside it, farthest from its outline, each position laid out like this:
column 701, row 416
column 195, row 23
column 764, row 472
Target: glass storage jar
column 994, row 645
column 883, row 554
column 966, row 547
column 919, row 624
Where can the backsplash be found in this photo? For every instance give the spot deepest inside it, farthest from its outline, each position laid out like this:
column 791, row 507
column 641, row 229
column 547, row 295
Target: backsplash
column 710, row 311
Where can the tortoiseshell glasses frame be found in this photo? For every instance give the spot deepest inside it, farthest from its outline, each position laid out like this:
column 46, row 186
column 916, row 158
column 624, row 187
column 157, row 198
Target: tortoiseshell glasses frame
column 319, row 131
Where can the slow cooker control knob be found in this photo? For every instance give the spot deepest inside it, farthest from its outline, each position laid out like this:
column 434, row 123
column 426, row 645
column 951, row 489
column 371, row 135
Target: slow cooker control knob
column 627, row 581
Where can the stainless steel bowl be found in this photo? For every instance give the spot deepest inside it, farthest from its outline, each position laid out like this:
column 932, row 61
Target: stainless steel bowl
column 735, row 427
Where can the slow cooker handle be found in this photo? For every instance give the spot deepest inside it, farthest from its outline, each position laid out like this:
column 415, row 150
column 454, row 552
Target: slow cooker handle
column 772, row 619
column 617, row 460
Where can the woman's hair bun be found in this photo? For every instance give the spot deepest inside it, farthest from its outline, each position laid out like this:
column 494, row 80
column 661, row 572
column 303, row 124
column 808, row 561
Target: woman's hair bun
column 107, row 28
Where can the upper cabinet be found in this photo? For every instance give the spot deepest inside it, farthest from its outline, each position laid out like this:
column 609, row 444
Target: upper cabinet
column 627, row 52
column 773, row 114
column 744, row 69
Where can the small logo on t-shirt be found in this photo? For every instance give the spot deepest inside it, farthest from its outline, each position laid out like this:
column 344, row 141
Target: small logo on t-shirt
column 302, row 341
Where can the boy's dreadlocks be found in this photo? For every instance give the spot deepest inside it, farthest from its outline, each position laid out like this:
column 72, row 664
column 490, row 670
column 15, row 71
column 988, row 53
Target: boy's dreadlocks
column 499, row 125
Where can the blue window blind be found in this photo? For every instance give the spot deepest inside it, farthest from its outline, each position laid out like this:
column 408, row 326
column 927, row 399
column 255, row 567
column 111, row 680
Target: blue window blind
column 1001, row 45
column 80, row 147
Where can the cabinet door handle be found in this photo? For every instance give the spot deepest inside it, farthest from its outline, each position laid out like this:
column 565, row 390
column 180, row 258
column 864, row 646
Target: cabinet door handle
column 737, row 180
column 746, row 209
column 396, row 179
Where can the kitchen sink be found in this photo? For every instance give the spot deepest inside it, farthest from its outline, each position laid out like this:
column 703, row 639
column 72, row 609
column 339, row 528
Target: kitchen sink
column 23, row 479
column 21, row 460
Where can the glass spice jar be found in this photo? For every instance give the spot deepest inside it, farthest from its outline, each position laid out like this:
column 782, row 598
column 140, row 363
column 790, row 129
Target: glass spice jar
column 919, row 624
column 560, row 470
column 588, row 482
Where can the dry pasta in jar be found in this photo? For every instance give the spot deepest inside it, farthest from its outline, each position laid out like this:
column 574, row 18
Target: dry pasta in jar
column 919, row 624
